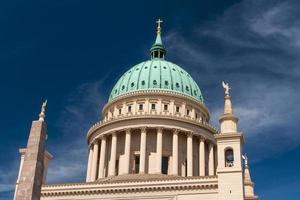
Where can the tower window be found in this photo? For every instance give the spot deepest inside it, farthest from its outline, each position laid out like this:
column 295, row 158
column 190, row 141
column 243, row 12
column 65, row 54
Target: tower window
column 155, row 67
column 137, row 69
column 143, row 82
column 229, row 158
column 154, row 82
column 174, row 69
column 116, row 91
column 187, row 112
column 177, row 85
column 120, row 111
column 141, row 107
column 146, row 67
column 153, row 106
column 165, row 107
column 129, row 108
column 166, row 83
column 123, row 87
column 165, row 67
column 187, row 88
column 132, row 84
column 195, row 92
column 164, row 165
column 177, row 108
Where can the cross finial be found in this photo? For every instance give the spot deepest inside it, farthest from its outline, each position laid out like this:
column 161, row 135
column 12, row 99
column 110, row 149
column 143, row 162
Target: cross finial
column 159, row 21
column 43, row 109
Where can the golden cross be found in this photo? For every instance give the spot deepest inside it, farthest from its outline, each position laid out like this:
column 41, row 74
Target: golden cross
column 158, row 25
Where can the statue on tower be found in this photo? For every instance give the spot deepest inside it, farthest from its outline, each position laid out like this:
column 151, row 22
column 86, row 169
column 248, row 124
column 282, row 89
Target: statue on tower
column 43, row 109
column 226, row 88
column 245, row 158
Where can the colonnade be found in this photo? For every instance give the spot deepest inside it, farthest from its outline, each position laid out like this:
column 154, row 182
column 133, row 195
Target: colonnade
column 96, row 163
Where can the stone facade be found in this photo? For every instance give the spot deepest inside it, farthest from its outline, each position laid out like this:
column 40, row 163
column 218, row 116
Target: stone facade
column 152, row 143
column 32, row 165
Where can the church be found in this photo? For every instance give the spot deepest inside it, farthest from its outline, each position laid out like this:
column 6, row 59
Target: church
column 154, row 141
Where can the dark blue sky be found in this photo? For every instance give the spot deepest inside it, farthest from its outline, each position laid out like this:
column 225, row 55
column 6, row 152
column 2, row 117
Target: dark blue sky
column 72, row 52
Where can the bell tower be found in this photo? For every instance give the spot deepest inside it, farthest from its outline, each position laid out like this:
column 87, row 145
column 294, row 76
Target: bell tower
column 229, row 148
column 34, row 161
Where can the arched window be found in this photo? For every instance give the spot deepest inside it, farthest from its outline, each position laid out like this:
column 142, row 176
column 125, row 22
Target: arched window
column 229, row 158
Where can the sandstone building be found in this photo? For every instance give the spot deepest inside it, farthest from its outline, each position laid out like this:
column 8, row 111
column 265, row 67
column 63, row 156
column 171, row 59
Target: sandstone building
column 154, row 141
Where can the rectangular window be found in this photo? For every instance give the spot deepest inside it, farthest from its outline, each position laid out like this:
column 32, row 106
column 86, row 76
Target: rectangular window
column 165, row 107
column 141, row 107
column 177, row 108
column 164, row 165
column 117, row 168
column 196, row 115
column 120, row 111
column 137, row 164
column 188, row 112
column 153, row 106
column 129, row 108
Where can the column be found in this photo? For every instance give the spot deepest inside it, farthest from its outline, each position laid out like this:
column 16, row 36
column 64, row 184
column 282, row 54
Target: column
column 211, row 167
column 113, row 155
column 124, row 109
column 147, row 106
column 102, row 158
column 134, row 108
column 127, row 151
column 95, row 161
column 90, row 159
column 190, row 154
column 143, row 150
column 183, row 110
column 193, row 113
column 201, row 157
column 175, row 153
column 159, row 106
column 172, row 108
column 159, row 150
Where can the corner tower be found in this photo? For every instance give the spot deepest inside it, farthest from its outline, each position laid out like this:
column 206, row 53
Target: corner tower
column 34, row 161
column 229, row 145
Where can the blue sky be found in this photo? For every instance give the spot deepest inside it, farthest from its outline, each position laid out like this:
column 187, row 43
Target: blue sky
column 72, row 52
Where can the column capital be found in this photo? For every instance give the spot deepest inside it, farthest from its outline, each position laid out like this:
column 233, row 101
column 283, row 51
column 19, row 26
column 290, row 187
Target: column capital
column 102, row 137
column 144, row 128
column 128, row 130
column 202, row 139
column 189, row 133
column 160, row 129
column 175, row 130
column 113, row 133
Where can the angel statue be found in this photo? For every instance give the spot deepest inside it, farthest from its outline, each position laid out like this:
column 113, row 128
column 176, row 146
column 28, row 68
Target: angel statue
column 226, row 88
column 245, row 158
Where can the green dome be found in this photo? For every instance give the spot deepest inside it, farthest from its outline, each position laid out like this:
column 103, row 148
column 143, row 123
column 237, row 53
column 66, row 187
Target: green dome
column 155, row 75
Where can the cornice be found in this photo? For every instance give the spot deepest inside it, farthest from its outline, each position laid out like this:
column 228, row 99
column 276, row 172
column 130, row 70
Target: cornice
column 201, row 124
column 90, row 188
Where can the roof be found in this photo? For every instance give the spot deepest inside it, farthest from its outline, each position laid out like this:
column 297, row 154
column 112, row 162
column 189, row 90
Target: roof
column 157, row 74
